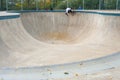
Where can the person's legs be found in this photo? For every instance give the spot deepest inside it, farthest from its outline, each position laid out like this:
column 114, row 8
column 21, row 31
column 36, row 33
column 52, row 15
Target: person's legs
column 69, row 11
column 66, row 14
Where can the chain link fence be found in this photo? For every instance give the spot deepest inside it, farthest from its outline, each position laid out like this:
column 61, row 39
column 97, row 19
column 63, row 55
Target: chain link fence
column 59, row 4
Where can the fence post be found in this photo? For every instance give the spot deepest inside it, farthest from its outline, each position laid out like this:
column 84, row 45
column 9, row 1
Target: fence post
column 67, row 3
column 21, row 5
column 6, row 5
column 99, row 4
column 0, row 5
column 51, row 4
column 117, row 5
column 83, row 4
column 36, row 3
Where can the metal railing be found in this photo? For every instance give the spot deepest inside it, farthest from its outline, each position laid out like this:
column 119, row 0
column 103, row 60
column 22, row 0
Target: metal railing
column 59, row 4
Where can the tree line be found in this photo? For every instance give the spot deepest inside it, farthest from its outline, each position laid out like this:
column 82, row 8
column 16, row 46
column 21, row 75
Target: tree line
column 57, row 4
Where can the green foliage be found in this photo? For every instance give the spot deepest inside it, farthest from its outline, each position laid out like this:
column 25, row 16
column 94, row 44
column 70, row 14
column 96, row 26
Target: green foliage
column 47, row 5
column 71, row 3
column 58, row 4
column 109, row 4
column 29, row 5
column 91, row 4
column 75, row 3
column 41, row 5
column 61, row 5
column 3, row 5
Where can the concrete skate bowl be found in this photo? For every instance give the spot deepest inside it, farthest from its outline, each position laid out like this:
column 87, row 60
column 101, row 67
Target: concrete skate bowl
column 47, row 38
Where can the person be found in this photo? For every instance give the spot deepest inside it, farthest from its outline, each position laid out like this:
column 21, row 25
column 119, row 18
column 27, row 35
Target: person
column 68, row 10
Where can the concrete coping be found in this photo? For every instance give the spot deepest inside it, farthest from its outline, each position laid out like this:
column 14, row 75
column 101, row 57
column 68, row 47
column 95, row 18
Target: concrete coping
column 5, row 13
column 102, row 12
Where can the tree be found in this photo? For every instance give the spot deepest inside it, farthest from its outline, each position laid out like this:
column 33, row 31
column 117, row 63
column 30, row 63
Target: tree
column 71, row 3
column 29, row 5
column 110, row 4
column 2, row 5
